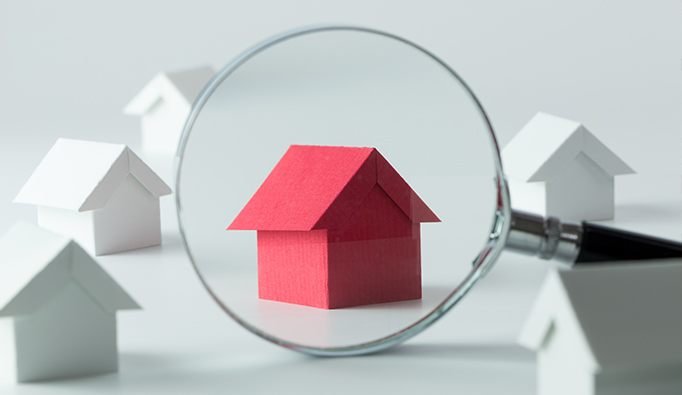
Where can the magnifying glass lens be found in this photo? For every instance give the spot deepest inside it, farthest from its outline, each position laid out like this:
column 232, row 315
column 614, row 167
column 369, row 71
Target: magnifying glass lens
column 355, row 173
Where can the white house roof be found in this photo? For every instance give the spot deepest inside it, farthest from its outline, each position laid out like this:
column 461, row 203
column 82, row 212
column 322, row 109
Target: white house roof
column 36, row 264
column 183, row 86
column 547, row 144
column 83, row 175
column 622, row 313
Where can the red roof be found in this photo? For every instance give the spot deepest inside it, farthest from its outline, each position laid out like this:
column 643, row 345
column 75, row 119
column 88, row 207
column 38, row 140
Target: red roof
column 319, row 187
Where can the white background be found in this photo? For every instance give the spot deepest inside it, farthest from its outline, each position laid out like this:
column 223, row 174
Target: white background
column 67, row 69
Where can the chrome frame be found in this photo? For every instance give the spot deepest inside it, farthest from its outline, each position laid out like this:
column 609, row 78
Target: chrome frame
column 501, row 221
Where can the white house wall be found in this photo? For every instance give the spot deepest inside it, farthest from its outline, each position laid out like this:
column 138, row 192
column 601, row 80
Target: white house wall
column 130, row 220
column 582, row 191
column 69, row 223
column 562, row 377
column 162, row 126
column 71, row 335
column 8, row 357
column 561, row 362
column 528, row 196
column 565, row 363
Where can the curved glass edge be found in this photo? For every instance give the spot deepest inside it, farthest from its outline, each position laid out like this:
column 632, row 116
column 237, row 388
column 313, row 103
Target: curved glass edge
column 481, row 264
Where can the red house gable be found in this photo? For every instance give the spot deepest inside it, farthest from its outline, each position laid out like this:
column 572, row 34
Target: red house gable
column 337, row 227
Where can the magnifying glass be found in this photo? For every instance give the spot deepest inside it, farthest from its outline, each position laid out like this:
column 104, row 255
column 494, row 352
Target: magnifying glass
column 339, row 189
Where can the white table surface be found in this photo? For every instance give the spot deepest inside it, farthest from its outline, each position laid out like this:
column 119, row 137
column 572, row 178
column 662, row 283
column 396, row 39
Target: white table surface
column 67, row 69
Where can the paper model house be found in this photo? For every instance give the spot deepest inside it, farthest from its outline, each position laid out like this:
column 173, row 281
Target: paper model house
column 57, row 308
column 557, row 167
column 337, row 227
column 163, row 106
column 102, row 195
column 610, row 330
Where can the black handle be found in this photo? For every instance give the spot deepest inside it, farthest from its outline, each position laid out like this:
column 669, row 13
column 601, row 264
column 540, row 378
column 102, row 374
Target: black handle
column 606, row 244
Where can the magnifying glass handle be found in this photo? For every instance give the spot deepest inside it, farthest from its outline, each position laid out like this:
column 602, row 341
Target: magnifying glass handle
column 577, row 243
column 601, row 243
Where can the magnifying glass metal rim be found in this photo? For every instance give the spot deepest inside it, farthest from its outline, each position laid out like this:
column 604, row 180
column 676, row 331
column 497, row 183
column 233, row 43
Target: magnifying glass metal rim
column 481, row 264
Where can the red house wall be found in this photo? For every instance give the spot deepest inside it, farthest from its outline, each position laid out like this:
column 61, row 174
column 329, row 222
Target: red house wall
column 374, row 258
column 292, row 267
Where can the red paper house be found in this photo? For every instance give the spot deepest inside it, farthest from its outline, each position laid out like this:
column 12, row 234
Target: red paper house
column 337, row 227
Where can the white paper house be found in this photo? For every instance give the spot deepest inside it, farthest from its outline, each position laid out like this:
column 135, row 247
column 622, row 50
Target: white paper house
column 57, row 308
column 102, row 195
column 608, row 330
column 557, row 167
column 163, row 106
